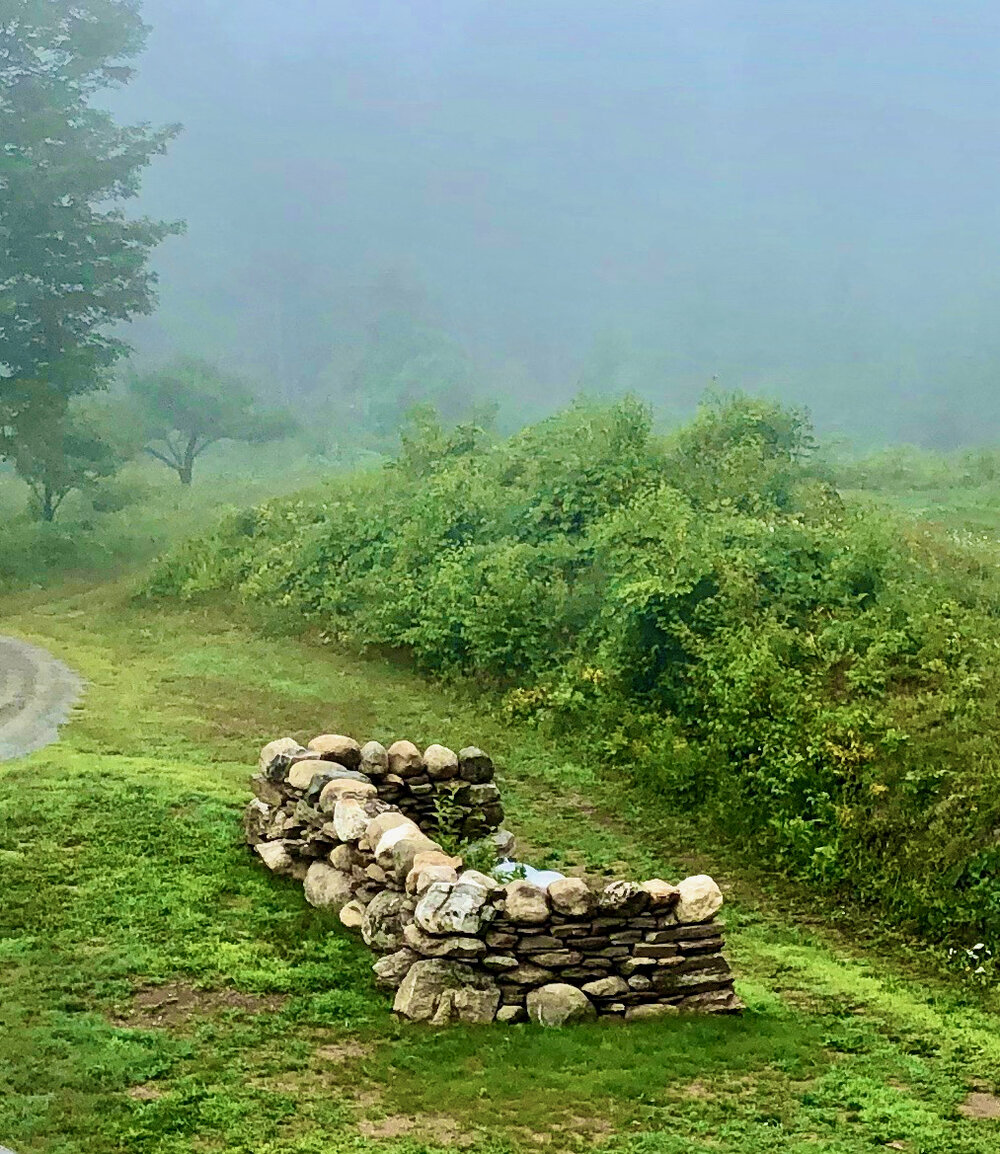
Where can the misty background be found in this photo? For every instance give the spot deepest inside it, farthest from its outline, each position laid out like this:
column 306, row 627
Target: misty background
column 799, row 198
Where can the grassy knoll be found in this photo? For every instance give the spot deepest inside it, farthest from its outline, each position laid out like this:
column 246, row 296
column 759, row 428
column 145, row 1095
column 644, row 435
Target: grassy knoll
column 124, row 886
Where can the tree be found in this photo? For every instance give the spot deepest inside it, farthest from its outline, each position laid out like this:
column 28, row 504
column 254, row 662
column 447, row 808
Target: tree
column 57, row 455
column 190, row 405
column 71, row 263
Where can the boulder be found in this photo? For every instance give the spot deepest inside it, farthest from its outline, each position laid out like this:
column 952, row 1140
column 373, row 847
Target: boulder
column 352, row 915
column 454, row 946
column 393, row 968
column 266, row 791
column 475, row 878
column 440, row 762
column 383, row 847
column 340, row 787
column 328, row 888
column 558, row 1004
column 341, row 857
column 404, row 759
column 337, row 747
column 439, row 991
column 276, row 856
column 508, row 1015
column 606, row 988
column 420, row 879
column 276, row 757
column 383, row 822
column 474, row 765
column 662, row 895
column 400, row 859
column 526, row 904
column 385, row 916
column 622, row 899
column 503, row 844
column 301, row 772
column 571, row 897
column 349, row 819
column 374, row 759
column 452, row 908
column 700, row 900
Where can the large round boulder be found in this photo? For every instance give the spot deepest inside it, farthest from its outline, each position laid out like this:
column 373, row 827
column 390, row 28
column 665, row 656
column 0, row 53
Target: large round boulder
column 699, row 901
column 558, row 1004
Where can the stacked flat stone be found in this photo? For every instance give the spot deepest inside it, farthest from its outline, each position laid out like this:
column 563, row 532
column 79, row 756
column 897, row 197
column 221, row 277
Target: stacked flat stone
column 455, row 944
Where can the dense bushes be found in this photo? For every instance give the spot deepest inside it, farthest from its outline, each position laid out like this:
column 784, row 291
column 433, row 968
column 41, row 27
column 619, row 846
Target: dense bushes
column 820, row 679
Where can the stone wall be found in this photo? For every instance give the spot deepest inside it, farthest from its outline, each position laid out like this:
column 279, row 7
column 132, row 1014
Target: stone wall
column 355, row 825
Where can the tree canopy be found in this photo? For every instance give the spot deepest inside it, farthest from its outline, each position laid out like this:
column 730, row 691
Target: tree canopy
column 72, row 264
column 190, row 405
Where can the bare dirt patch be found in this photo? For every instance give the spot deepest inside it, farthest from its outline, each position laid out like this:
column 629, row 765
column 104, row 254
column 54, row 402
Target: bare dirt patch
column 438, row 1129
column 174, row 1005
column 145, row 1093
column 341, row 1052
column 980, row 1104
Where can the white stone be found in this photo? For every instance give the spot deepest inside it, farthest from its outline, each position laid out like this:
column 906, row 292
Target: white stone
column 700, row 899
column 451, row 908
column 440, row 762
column 349, row 819
column 352, row 915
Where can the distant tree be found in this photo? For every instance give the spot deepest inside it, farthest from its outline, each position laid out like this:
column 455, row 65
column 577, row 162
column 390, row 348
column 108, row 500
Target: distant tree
column 71, row 263
column 190, row 405
column 56, row 455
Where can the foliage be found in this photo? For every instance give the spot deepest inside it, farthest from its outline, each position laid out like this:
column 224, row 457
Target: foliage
column 819, row 678
column 191, row 405
column 71, row 263
column 58, row 454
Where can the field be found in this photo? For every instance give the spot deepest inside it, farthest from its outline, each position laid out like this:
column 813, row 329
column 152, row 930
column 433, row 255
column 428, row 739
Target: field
column 162, row 994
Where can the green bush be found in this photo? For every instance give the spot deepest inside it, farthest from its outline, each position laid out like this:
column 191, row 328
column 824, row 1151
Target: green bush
column 704, row 611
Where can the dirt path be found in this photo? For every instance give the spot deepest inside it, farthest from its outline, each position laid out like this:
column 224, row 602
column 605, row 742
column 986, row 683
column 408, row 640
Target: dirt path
column 36, row 695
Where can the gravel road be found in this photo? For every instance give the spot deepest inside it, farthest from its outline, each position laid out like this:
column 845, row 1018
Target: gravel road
column 36, row 695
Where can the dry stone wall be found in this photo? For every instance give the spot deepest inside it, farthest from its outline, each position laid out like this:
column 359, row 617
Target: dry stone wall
column 356, row 824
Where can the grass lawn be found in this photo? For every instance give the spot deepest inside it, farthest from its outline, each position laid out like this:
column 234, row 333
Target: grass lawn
column 159, row 993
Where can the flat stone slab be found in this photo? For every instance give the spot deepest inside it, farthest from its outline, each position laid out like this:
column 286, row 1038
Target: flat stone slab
column 37, row 693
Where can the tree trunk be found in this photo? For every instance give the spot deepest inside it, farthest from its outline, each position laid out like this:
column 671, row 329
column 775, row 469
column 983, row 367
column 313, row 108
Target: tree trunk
column 48, row 507
column 185, row 472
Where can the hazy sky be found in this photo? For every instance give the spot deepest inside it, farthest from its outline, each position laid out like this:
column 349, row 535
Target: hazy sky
column 800, row 197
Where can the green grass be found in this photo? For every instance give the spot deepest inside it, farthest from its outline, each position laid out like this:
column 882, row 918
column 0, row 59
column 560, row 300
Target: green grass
column 121, row 869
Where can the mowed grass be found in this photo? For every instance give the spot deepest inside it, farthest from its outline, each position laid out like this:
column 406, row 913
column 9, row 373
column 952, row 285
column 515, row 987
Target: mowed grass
column 121, row 871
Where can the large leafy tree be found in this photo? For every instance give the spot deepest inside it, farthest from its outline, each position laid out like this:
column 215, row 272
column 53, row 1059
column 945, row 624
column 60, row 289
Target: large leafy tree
column 72, row 264
column 190, row 405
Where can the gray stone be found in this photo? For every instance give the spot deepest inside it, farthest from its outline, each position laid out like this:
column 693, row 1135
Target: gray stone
column 385, row 918
column 476, row 796
column 606, row 988
column 441, row 991
column 474, row 765
column 374, row 759
column 276, row 757
column 337, row 747
column 622, row 898
column 265, row 790
column 526, row 904
column 301, row 772
column 571, row 897
column 349, row 819
column 393, row 968
column 278, row 858
column 649, row 1011
column 256, row 821
column 328, row 888
column 440, row 762
column 455, row 946
column 700, row 899
column 558, row 1004
column 452, row 908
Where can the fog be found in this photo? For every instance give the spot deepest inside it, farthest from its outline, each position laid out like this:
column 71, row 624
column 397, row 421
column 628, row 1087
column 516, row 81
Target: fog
column 798, row 198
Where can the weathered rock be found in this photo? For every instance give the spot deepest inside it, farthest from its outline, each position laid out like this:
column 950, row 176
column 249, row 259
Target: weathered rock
column 393, row 968
column 441, row 991
column 301, row 773
column 571, row 896
column 504, row 844
column 606, row 988
column 327, row 888
column 452, row 908
column 276, row 757
column 475, row 878
column 383, row 847
column 419, row 880
column 352, row 915
column 343, row 786
column 374, row 759
column 403, row 852
column 376, row 874
column 700, row 899
column 477, row 796
column 385, row 917
column 341, row 857
column 440, row 762
column 662, row 895
column 474, row 765
column 501, row 962
column 266, row 791
column 622, row 899
column 436, row 857
column 404, row 759
column 382, row 823
column 557, row 959
column 528, row 975
column 256, row 821
column 525, row 903
column 459, row 947
column 508, row 1015
column 276, row 856
column 558, row 1004
column 337, row 747
column 649, row 1011
column 349, row 819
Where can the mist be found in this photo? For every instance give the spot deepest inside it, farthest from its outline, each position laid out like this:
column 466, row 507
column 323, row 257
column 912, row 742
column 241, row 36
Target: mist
column 797, row 199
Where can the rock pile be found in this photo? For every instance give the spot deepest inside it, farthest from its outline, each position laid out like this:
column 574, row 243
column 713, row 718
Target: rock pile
column 355, row 823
